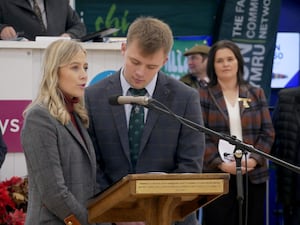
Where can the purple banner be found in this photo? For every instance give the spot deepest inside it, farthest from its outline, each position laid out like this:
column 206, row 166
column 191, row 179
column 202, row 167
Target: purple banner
column 11, row 121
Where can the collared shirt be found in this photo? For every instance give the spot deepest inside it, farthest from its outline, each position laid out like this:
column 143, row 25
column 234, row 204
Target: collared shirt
column 125, row 91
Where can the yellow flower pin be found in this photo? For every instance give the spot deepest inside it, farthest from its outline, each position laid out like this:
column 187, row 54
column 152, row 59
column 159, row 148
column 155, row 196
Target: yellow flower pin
column 245, row 102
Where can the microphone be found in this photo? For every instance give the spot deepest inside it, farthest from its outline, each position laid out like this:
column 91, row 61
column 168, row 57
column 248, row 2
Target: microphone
column 121, row 100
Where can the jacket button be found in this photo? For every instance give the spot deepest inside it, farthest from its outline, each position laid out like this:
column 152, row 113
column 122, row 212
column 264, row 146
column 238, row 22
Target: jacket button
column 70, row 223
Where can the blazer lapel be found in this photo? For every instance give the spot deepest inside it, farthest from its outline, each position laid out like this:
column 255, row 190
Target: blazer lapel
column 84, row 141
column 85, row 138
column 87, row 143
column 161, row 94
column 75, row 133
column 244, row 98
column 118, row 112
column 218, row 99
column 25, row 4
column 52, row 15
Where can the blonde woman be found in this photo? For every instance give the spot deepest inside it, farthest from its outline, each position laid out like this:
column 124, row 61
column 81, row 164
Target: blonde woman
column 59, row 153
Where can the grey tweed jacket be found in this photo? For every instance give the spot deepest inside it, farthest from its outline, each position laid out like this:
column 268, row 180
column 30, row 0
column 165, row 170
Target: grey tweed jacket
column 61, row 168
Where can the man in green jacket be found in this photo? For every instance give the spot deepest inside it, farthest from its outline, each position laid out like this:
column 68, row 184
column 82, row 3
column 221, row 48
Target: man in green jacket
column 197, row 60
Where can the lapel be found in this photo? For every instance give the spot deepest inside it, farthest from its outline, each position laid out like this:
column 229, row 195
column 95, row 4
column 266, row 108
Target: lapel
column 87, row 144
column 52, row 15
column 161, row 94
column 75, row 133
column 118, row 112
column 244, row 98
column 25, row 4
column 218, row 99
column 84, row 141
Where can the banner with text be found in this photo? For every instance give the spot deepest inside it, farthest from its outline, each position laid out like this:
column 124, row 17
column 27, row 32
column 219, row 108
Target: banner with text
column 252, row 25
column 184, row 17
column 11, row 122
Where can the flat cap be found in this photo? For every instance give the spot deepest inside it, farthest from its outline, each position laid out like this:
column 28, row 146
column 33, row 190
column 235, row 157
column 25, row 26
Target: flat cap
column 197, row 49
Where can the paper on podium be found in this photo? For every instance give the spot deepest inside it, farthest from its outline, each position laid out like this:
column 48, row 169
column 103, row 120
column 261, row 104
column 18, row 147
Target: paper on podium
column 50, row 39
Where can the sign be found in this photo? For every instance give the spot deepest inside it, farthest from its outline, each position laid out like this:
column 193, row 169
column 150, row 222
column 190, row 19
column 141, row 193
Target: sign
column 252, row 25
column 11, row 122
column 184, row 17
column 286, row 63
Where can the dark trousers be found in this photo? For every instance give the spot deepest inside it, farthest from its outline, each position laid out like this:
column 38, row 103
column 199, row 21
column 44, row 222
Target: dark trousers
column 225, row 210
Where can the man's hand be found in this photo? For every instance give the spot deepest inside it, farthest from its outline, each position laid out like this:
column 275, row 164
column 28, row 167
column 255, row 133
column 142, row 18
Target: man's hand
column 65, row 35
column 8, row 33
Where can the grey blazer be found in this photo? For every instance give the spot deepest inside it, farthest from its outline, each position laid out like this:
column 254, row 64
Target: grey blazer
column 166, row 145
column 61, row 167
column 61, row 18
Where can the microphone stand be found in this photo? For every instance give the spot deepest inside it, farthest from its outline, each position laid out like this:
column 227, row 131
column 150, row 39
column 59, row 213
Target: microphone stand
column 238, row 154
column 240, row 148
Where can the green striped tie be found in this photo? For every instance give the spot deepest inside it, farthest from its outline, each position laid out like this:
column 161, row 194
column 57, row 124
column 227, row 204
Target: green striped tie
column 136, row 126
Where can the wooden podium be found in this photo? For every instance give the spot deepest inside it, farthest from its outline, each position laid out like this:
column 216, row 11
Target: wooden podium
column 158, row 199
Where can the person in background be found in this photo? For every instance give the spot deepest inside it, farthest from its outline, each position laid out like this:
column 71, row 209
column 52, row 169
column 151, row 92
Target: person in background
column 165, row 145
column 57, row 18
column 233, row 107
column 59, row 153
column 197, row 61
column 3, row 149
column 286, row 120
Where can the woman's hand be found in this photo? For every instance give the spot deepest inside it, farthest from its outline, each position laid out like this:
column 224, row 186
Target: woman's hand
column 230, row 167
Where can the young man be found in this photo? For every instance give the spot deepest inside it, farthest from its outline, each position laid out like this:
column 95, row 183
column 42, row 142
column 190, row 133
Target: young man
column 165, row 144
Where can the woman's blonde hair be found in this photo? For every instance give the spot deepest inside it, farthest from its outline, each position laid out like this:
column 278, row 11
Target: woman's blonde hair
column 57, row 54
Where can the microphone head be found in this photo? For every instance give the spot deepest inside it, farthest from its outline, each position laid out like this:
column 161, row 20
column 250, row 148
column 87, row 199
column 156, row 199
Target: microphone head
column 113, row 100
column 121, row 100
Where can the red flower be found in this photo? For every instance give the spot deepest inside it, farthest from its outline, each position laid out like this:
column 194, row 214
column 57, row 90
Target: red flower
column 13, row 201
column 17, row 217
